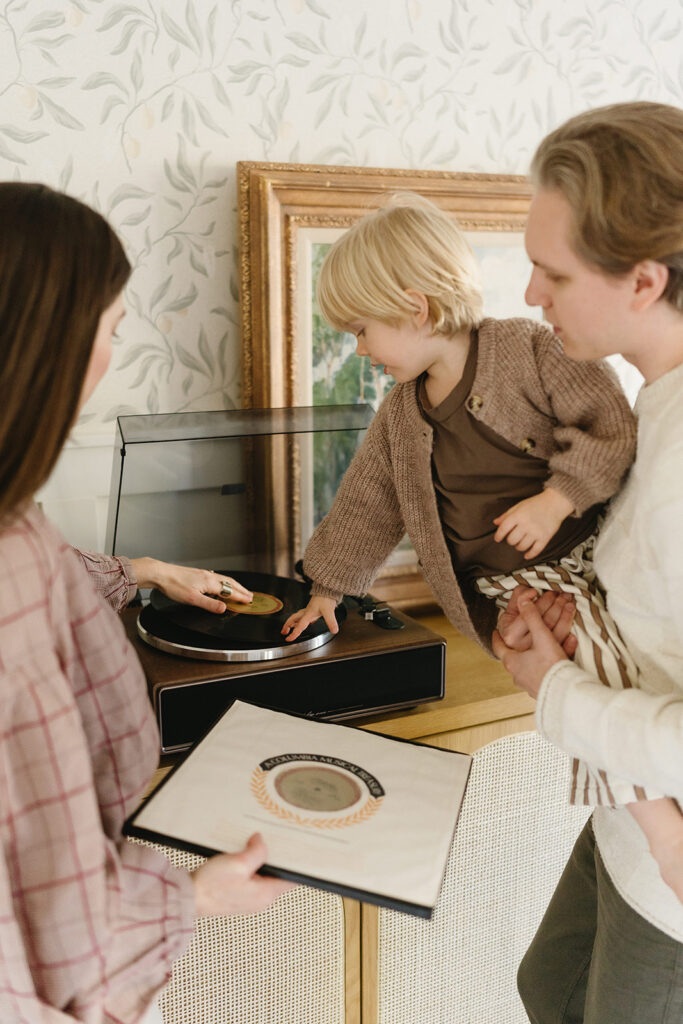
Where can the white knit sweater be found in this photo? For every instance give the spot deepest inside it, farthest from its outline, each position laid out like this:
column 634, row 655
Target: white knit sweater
column 636, row 733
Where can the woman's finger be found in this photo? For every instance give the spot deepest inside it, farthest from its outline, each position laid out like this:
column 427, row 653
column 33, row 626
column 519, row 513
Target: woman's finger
column 238, row 592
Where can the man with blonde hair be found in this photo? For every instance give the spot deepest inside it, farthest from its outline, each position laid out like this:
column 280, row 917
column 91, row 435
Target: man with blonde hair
column 605, row 236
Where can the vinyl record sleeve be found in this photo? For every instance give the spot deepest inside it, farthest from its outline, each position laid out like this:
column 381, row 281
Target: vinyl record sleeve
column 354, row 812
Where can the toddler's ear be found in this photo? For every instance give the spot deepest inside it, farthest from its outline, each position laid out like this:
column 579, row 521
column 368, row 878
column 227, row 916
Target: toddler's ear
column 420, row 304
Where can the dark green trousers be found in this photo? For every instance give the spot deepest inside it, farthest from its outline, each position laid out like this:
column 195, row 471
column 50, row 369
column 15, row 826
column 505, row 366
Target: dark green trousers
column 594, row 960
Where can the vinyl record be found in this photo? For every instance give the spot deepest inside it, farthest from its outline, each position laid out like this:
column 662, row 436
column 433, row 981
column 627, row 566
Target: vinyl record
column 317, row 788
column 234, row 636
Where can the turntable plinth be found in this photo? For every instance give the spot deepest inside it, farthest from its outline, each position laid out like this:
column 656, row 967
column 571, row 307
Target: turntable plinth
column 361, row 671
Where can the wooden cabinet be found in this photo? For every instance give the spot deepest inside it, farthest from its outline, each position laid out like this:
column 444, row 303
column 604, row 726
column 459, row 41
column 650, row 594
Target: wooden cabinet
column 480, row 705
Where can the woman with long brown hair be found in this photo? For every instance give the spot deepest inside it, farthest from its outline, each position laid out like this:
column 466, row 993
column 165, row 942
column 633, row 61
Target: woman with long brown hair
column 89, row 924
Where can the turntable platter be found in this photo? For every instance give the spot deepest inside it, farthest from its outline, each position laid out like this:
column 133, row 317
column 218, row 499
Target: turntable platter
column 191, row 632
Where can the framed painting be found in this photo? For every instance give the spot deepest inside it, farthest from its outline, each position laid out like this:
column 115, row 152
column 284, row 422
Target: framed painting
column 289, row 215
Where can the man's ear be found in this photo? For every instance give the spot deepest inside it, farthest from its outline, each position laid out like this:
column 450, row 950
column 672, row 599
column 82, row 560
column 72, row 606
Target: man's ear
column 650, row 279
column 420, row 304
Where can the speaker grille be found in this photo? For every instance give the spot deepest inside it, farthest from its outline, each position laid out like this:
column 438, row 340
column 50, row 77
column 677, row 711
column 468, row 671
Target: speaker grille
column 514, row 836
column 282, row 966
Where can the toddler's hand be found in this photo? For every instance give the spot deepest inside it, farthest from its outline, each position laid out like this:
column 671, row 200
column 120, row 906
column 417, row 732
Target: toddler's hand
column 529, row 525
column 316, row 607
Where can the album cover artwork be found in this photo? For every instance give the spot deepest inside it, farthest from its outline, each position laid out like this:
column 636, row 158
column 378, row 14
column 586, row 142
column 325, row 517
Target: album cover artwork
column 340, row 808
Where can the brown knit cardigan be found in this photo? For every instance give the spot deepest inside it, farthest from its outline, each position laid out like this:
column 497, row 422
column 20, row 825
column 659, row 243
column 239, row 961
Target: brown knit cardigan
column 573, row 414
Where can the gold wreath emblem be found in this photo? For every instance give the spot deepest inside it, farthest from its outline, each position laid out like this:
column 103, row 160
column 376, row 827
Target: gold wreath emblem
column 258, row 788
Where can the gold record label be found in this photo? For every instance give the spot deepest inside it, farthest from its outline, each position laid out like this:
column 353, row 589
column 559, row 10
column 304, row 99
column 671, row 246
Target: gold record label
column 262, row 604
column 317, row 788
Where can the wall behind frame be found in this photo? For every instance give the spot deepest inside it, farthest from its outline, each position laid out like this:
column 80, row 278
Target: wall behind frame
column 142, row 108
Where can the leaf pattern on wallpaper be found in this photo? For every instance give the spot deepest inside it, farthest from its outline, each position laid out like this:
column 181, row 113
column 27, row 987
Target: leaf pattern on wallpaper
column 143, row 107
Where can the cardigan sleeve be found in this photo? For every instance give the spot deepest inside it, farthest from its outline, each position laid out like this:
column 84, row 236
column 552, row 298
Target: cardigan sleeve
column 112, row 577
column 595, row 429
column 364, row 524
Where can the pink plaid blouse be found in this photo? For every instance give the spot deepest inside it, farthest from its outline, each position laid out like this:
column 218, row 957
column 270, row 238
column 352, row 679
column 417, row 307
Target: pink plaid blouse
column 90, row 924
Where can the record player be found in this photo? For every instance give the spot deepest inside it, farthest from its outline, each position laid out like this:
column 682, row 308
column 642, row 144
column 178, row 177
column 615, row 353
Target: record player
column 240, row 492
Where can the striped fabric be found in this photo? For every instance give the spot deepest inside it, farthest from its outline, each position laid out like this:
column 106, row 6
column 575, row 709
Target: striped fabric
column 601, row 651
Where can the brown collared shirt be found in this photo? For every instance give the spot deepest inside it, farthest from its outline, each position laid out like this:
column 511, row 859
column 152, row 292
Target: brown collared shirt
column 478, row 475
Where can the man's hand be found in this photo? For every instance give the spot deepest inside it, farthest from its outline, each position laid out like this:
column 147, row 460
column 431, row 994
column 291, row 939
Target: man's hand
column 529, row 525
column 316, row 607
column 228, row 884
column 186, row 585
column 555, row 608
column 529, row 667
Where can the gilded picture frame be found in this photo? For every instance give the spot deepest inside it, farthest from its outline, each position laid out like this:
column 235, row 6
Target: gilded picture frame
column 282, row 209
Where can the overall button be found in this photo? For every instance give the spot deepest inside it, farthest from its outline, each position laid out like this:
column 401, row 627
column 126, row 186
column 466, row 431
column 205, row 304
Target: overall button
column 474, row 403
column 528, row 444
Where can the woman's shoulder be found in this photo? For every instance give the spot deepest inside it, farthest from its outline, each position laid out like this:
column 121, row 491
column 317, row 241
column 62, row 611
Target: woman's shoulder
column 45, row 592
column 29, row 541
column 31, row 586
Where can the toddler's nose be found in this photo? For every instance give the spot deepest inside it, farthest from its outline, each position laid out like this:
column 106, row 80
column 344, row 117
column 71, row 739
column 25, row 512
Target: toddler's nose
column 536, row 294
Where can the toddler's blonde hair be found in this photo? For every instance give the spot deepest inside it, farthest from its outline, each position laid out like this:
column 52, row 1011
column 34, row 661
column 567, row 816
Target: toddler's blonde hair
column 407, row 244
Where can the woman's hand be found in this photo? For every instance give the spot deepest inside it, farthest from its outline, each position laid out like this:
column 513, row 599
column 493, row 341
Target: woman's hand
column 227, row 883
column 555, row 608
column 186, row 585
column 528, row 667
column 316, row 607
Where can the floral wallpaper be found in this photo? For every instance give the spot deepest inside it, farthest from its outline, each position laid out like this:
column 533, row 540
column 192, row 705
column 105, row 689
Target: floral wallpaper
column 143, row 107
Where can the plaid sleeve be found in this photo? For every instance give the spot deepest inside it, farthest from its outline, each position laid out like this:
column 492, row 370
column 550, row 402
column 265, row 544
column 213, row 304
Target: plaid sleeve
column 87, row 923
column 112, row 577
